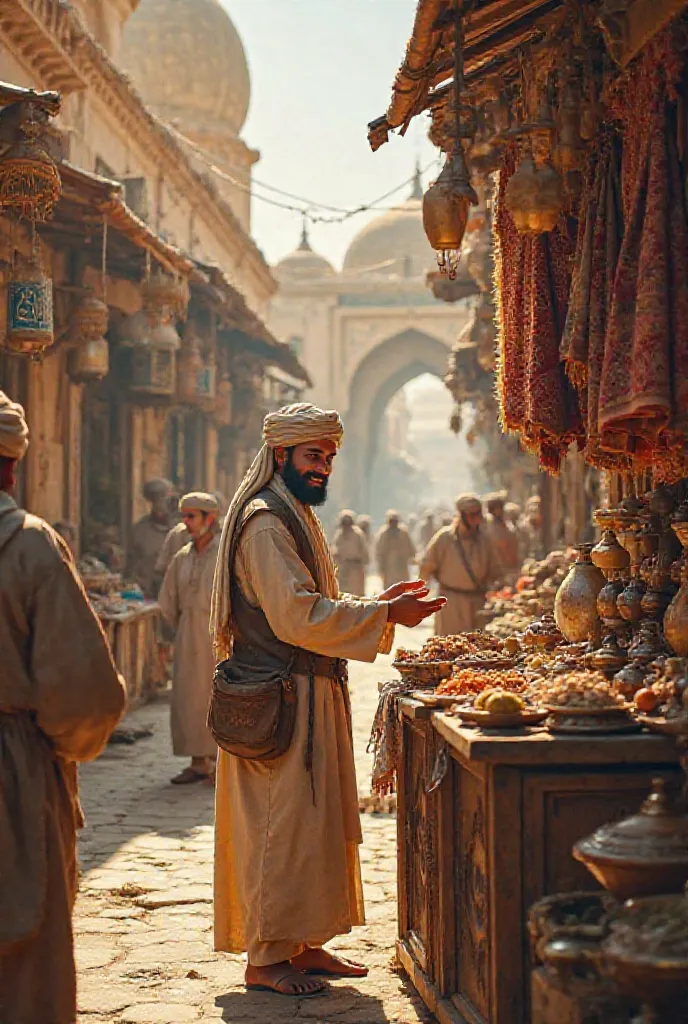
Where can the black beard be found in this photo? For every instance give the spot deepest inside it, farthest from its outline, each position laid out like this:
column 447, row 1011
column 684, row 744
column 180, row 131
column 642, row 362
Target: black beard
column 298, row 484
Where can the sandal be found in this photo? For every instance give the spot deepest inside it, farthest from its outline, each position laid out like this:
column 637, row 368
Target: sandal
column 187, row 776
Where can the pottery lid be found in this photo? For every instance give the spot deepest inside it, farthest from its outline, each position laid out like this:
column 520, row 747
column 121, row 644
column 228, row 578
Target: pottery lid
column 657, row 834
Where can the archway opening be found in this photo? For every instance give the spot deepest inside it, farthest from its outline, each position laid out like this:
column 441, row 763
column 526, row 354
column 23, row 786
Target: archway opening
column 399, row 450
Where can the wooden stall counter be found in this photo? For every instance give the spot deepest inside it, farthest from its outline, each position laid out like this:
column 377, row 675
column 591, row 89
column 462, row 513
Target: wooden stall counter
column 485, row 828
column 133, row 639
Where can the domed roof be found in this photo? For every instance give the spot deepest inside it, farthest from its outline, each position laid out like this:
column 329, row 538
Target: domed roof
column 187, row 60
column 394, row 244
column 303, row 264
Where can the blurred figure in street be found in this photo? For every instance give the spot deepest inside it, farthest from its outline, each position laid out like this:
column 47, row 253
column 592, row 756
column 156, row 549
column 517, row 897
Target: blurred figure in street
column 148, row 536
column 60, row 698
column 185, row 602
column 532, row 527
column 503, row 536
column 394, row 550
column 463, row 560
column 350, row 550
column 428, row 529
column 365, row 525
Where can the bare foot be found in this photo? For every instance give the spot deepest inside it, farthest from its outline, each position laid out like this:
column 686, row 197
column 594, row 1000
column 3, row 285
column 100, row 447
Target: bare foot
column 284, row 979
column 319, row 961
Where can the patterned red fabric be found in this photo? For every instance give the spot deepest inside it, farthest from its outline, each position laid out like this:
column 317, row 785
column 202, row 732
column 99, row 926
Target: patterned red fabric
column 644, row 382
column 533, row 281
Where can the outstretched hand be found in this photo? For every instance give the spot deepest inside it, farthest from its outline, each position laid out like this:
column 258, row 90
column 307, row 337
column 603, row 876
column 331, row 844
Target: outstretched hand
column 411, row 606
column 418, row 588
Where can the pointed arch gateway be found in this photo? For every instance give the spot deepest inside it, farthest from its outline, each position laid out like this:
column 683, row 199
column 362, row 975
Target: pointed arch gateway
column 390, row 365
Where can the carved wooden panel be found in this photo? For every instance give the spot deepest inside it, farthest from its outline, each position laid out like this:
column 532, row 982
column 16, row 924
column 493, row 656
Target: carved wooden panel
column 472, row 890
column 420, row 837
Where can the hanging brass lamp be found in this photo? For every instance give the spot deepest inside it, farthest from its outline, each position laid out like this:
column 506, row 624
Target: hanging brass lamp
column 447, row 201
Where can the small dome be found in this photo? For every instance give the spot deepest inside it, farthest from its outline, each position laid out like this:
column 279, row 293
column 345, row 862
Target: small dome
column 187, row 60
column 303, row 264
column 394, row 244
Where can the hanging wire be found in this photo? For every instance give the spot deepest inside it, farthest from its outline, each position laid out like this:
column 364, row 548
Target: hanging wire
column 308, row 208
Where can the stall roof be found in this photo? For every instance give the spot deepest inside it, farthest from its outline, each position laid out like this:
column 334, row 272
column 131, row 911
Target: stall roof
column 88, row 201
column 495, row 31
column 48, row 101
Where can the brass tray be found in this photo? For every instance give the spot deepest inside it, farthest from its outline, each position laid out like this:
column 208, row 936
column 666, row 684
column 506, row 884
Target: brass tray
column 423, row 671
column 435, row 700
column 510, row 720
column 593, row 721
column 665, row 726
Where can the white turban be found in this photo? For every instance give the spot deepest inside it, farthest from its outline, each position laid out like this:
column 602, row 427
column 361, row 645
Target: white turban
column 290, row 426
column 468, row 502
column 14, row 433
column 199, row 501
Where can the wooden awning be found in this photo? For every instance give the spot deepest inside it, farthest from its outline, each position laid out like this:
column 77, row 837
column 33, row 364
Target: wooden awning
column 495, row 31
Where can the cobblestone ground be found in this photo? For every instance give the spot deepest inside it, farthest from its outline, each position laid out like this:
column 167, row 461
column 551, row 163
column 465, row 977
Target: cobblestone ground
column 144, row 913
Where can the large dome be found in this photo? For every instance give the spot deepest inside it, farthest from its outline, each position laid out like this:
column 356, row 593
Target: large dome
column 303, row 264
column 393, row 244
column 187, row 60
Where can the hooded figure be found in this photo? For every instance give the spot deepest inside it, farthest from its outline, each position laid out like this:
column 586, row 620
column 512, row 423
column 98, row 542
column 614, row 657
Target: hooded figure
column 350, row 550
column 394, row 550
column 148, row 535
column 60, row 698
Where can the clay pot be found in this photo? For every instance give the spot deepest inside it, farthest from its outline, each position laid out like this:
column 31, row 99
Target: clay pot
column 575, row 605
column 629, row 601
column 644, row 855
column 608, row 554
column 676, row 618
column 610, row 658
column 607, row 598
column 630, row 679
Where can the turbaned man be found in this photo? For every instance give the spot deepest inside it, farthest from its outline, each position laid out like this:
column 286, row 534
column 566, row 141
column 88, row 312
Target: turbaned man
column 60, row 698
column 287, row 832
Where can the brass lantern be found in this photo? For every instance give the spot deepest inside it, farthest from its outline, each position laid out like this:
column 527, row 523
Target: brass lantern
column 89, row 362
column 445, row 209
column 29, row 309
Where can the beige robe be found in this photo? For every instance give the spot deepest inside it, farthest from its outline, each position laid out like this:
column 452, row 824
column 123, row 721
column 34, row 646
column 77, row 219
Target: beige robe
column 185, row 603
column 350, row 550
column 146, row 541
column 394, row 550
column 60, row 698
column 287, row 872
column 442, row 561
column 176, row 539
column 506, row 544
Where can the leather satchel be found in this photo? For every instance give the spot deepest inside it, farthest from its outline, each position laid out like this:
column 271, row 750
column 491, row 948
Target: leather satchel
column 255, row 719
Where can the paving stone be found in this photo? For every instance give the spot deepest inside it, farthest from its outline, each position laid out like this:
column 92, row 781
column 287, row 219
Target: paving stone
column 144, row 916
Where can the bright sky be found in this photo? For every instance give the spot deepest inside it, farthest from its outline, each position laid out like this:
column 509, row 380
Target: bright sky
column 320, row 71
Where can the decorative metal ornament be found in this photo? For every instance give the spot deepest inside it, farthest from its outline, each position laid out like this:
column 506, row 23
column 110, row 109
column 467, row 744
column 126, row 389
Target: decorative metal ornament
column 89, row 321
column 89, row 362
column 445, row 210
column 29, row 309
column 29, row 179
column 447, row 201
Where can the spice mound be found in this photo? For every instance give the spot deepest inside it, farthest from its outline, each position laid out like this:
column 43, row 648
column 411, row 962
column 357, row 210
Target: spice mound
column 449, row 648
column 587, row 690
column 466, row 681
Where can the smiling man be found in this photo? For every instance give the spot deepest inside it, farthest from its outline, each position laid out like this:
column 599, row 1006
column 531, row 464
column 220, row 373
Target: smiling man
column 185, row 603
column 287, row 873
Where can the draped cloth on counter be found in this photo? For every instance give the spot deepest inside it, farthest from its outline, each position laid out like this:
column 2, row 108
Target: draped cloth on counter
column 532, row 282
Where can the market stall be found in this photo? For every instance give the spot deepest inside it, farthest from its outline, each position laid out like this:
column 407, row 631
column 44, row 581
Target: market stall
column 132, row 627
column 520, row 751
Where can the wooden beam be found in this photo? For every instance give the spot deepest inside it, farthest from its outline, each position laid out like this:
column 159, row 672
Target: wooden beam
column 627, row 32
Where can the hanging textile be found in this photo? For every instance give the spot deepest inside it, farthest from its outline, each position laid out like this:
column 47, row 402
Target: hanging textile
column 643, row 397
column 532, row 279
column 597, row 250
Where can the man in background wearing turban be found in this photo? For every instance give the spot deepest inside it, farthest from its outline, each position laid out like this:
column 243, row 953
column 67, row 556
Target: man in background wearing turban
column 503, row 536
column 60, row 698
column 184, row 600
column 287, row 872
column 350, row 549
column 463, row 560
column 393, row 550
column 148, row 536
